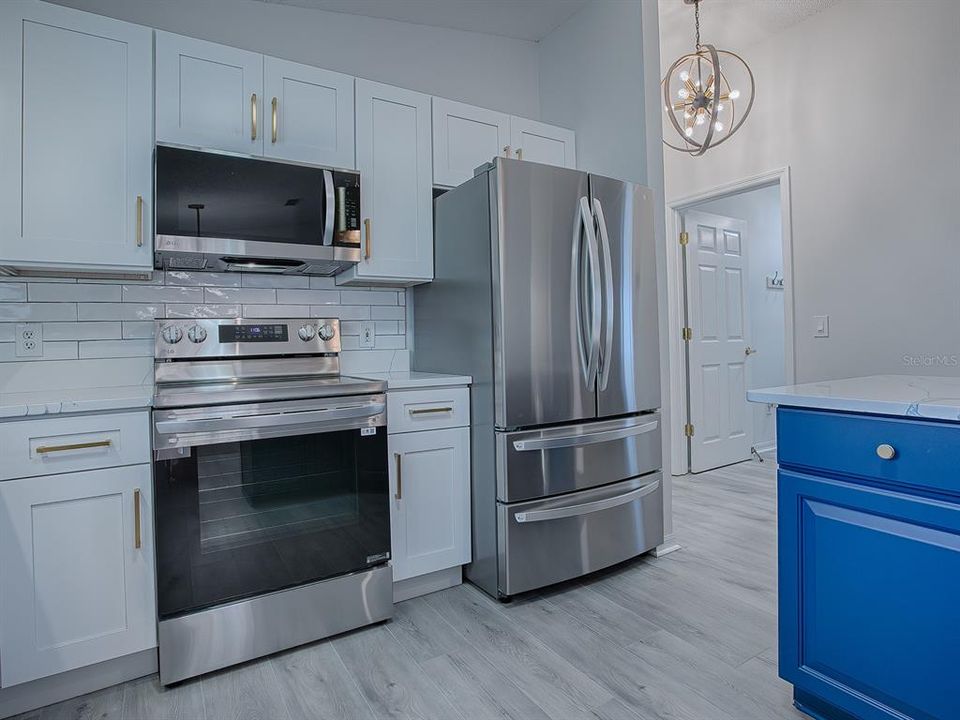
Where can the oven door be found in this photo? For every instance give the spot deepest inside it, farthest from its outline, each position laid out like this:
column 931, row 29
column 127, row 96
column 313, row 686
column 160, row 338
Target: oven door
column 256, row 498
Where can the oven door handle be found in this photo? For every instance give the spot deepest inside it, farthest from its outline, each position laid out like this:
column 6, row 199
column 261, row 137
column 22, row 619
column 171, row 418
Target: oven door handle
column 246, row 422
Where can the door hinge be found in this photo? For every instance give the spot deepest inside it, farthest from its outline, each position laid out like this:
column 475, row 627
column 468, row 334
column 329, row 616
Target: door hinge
column 684, row 237
column 688, row 430
column 687, row 333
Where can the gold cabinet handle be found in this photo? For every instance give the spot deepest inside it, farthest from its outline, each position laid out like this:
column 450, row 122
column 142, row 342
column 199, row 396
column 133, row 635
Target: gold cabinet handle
column 368, row 250
column 73, row 446
column 136, row 519
column 139, row 220
column 273, row 120
column 519, row 153
column 427, row 411
column 253, row 116
column 399, row 494
column 506, row 151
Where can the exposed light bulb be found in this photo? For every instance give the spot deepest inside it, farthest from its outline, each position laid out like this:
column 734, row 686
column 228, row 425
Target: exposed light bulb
column 696, row 83
column 719, row 107
column 734, row 94
column 718, row 126
column 683, row 93
column 688, row 132
column 684, row 75
column 687, row 114
column 701, row 119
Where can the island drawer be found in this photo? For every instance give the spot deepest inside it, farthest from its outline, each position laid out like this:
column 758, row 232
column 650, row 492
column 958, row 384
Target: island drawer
column 429, row 409
column 899, row 451
column 71, row 443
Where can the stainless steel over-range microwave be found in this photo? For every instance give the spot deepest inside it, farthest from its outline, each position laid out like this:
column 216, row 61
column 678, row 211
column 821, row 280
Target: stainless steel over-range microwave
column 223, row 212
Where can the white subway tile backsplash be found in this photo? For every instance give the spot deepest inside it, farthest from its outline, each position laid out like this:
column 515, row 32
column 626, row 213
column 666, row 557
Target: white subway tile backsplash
column 117, row 311
column 184, row 277
column 276, row 311
column 242, row 296
column 368, row 297
column 57, row 292
column 203, row 311
column 37, row 312
column 13, row 292
column 309, row 297
column 162, row 294
column 387, row 312
column 115, row 318
column 81, row 331
column 137, row 330
column 115, row 348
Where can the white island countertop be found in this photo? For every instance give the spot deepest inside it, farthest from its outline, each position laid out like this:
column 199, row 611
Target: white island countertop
column 408, row 379
column 936, row 398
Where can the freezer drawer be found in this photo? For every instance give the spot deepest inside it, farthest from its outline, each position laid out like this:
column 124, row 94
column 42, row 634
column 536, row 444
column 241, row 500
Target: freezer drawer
column 541, row 463
column 547, row 541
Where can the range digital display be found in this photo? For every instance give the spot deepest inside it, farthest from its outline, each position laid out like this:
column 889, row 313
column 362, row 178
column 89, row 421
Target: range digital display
column 253, row 333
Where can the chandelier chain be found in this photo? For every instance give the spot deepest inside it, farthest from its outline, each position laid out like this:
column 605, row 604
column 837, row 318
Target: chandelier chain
column 696, row 15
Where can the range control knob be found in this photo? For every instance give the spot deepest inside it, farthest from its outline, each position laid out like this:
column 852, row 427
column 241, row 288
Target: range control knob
column 172, row 334
column 306, row 332
column 326, row 332
column 196, row 334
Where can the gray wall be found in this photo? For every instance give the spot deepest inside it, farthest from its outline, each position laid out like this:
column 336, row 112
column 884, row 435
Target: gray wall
column 486, row 70
column 859, row 102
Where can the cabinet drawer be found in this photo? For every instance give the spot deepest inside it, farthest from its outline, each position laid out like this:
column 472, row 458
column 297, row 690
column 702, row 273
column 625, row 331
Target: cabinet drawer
column 69, row 444
column 925, row 453
column 412, row 410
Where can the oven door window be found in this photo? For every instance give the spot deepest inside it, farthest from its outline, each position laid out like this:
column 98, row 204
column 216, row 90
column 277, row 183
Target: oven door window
column 240, row 519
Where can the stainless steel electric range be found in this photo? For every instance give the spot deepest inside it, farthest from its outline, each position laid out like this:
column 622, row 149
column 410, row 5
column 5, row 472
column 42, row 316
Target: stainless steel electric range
column 270, row 474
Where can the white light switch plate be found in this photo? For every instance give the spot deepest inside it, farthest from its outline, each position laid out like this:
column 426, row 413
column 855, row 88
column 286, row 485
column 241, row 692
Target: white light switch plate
column 821, row 326
column 368, row 334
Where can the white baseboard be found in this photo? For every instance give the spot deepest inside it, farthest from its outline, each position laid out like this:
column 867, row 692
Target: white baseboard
column 56, row 688
column 425, row 584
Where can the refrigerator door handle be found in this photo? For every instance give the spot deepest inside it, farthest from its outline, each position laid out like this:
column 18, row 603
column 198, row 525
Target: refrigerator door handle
column 593, row 256
column 607, row 332
column 587, row 507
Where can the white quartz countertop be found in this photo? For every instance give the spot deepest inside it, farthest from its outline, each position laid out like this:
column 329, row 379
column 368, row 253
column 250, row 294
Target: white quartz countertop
column 937, row 398
column 407, row 379
column 90, row 399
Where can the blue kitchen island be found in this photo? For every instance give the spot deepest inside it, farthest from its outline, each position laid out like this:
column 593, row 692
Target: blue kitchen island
column 869, row 546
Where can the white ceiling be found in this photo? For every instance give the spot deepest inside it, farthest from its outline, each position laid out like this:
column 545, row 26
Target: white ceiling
column 729, row 24
column 522, row 19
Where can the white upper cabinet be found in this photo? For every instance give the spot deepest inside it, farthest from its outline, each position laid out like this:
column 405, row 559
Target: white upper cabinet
column 76, row 571
column 394, row 158
column 542, row 143
column 76, row 140
column 465, row 137
column 209, row 95
column 310, row 114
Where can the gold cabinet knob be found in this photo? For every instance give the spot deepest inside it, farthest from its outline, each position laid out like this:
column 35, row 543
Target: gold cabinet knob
column 886, row 452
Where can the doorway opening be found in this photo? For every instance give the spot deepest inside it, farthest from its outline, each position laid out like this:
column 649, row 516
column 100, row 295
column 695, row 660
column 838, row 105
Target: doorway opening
column 734, row 330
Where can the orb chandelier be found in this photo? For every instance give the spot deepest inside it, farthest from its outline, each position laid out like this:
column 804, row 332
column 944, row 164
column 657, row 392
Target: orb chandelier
column 707, row 94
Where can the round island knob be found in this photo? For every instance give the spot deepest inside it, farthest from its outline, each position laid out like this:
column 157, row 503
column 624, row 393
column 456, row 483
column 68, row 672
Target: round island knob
column 306, row 332
column 886, row 452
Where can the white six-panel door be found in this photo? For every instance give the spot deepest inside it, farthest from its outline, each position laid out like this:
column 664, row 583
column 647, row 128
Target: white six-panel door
column 76, row 139
column 430, row 503
column 464, row 138
column 209, row 95
column 718, row 314
column 542, row 143
column 309, row 114
column 74, row 587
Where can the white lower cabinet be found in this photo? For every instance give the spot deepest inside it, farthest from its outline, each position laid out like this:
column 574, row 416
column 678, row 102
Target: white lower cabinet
column 76, row 570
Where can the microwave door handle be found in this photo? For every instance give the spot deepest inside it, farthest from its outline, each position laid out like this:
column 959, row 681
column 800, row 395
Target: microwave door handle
column 246, row 422
column 330, row 207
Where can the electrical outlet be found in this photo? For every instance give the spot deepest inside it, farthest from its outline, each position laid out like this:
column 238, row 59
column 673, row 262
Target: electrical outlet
column 821, row 326
column 29, row 340
column 368, row 334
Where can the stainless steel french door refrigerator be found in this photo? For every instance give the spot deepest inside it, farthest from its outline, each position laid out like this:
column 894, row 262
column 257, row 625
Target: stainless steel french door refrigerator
column 545, row 291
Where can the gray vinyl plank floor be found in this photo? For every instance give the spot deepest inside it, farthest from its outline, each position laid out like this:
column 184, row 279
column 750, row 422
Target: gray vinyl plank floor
column 689, row 636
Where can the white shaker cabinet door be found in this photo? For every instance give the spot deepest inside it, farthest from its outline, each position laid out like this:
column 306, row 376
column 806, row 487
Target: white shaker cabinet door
column 209, row 95
column 394, row 157
column 464, row 138
column 430, row 501
column 310, row 114
column 542, row 143
column 76, row 571
column 76, row 139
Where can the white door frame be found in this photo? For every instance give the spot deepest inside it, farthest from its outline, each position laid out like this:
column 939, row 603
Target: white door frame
column 678, row 368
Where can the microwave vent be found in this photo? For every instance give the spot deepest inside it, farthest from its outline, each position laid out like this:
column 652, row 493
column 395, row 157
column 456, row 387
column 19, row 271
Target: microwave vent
column 186, row 262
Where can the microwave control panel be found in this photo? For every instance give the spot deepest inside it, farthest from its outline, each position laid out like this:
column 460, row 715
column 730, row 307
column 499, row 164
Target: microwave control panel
column 347, row 192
